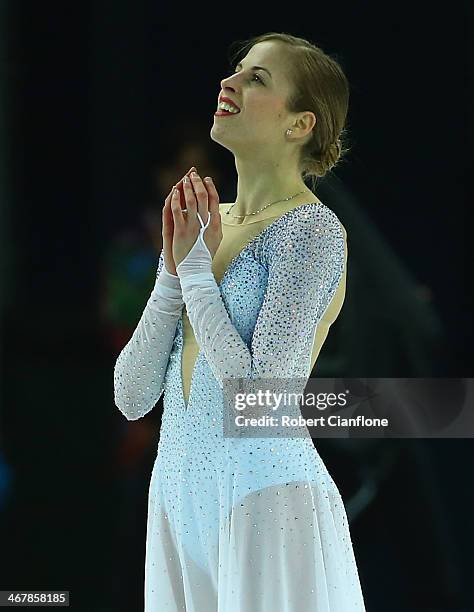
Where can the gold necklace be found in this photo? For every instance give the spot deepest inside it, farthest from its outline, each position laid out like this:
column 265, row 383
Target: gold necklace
column 257, row 211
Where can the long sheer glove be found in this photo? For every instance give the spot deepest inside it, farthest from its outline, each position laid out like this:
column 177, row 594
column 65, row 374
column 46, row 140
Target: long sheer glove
column 141, row 366
column 305, row 264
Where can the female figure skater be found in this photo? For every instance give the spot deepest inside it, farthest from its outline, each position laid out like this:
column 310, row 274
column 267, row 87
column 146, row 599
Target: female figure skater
column 246, row 524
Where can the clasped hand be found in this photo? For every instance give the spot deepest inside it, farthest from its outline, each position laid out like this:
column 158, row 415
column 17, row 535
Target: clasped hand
column 199, row 196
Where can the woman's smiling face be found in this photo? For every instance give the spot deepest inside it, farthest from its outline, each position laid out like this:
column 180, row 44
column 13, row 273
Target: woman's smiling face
column 260, row 89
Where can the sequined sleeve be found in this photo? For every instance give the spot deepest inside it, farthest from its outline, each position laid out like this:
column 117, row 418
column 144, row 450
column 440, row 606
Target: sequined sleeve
column 141, row 366
column 305, row 264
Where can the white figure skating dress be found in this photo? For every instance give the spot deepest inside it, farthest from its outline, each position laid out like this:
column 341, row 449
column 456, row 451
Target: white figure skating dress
column 240, row 524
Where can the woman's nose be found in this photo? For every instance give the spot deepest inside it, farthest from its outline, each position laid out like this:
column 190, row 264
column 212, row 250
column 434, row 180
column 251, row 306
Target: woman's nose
column 228, row 80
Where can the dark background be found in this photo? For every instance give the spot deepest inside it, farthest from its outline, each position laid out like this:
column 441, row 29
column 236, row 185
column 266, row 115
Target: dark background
column 98, row 103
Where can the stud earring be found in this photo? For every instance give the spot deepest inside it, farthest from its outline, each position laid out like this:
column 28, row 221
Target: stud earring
column 288, row 132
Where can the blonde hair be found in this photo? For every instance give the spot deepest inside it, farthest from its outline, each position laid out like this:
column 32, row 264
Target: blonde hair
column 319, row 86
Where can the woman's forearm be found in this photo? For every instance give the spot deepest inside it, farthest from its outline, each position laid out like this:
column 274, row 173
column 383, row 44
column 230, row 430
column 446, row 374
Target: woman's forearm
column 140, row 368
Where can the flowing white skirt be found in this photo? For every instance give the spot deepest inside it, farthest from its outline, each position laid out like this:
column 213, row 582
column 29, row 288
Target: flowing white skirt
column 263, row 528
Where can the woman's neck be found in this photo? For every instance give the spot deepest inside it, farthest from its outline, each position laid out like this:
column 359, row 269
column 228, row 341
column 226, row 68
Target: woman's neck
column 262, row 198
column 261, row 184
column 275, row 210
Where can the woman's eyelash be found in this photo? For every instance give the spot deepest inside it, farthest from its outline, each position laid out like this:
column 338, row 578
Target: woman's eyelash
column 254, row 75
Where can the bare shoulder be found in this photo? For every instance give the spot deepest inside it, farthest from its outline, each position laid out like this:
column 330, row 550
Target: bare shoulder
column 343, row 230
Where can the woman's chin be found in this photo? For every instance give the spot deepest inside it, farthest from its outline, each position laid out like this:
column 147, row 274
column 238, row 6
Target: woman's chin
column 221, row 138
